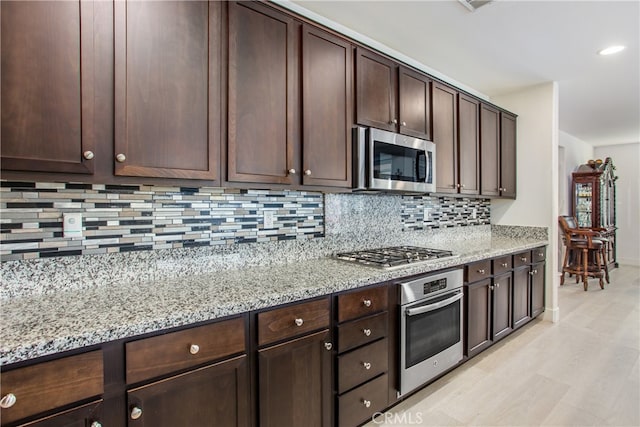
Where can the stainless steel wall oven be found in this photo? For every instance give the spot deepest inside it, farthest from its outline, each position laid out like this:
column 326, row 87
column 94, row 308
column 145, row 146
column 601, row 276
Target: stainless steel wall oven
column 431, row 328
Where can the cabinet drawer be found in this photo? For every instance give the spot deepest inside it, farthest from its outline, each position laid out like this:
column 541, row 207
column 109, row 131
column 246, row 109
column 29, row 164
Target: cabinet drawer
column 360, row 404
column 361, row 365
column 359, row 332
column 360, row 303
column 49, row 385
column 163, row 354
column 293, row 320
column 521, row 258
column 539, row 254
column 502, row 264
column 478, row 270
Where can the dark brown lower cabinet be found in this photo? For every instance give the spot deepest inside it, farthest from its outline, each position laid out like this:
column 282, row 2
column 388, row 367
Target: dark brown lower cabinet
column 295, row 382
column 82, row 416
column 360, row 404
column 537, row 288
column 216, row 395
column 502, row 306
column 478, row 299
column 521, row 296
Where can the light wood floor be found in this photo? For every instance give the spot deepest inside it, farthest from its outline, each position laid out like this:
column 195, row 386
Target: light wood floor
column 582, row 371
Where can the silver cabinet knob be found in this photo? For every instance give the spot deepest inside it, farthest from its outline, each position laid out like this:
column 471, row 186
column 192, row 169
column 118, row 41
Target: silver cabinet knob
column 194, row 349
column 292, row 171
column 307, row 172
column 523, row 258
column 457, row 185
column 404, row 123
column 366, row 403
column 136, row 413
column 366, row 365
column 481, row 271
column 88, row 155
column 8, row 400
column 491, row 287
column 541, row 254
column 299, row 322
column 367, row 332
column 367, row 303
column 504, row 265
column 96, row 424
column 497, row 285
column 120, row 158
column 461, row 185
column 328, row 345
column 535, row 271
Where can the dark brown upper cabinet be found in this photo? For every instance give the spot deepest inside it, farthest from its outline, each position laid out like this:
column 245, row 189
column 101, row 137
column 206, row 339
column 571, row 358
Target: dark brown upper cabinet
column 327, row 108
column 456, row 133
column 445, row 136
column 489, row 151
column 263, row 113
column 508, row 155
column 392, row 97
column 497, row 153
column 167, row 90
column 47, row 86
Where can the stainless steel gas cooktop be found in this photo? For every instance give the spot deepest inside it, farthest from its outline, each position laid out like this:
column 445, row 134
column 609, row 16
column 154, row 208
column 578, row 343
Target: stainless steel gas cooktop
column 395, row 256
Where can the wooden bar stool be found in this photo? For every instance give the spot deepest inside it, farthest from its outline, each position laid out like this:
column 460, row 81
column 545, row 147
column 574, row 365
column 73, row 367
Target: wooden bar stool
column 585, row 253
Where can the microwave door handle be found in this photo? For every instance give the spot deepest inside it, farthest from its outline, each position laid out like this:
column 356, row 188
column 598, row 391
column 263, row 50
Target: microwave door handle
column 430, row 307
column 426, row 166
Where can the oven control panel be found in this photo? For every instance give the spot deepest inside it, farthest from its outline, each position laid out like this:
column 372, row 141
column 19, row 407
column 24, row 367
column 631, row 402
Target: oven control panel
column 434, row 286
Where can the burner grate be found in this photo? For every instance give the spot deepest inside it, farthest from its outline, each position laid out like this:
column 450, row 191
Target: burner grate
column 394, row 256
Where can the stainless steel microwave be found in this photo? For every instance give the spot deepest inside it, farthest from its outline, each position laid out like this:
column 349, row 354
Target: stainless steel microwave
column 387, row 161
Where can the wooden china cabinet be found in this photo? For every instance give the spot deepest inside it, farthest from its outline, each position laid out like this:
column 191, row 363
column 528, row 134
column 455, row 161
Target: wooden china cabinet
column 594, row 201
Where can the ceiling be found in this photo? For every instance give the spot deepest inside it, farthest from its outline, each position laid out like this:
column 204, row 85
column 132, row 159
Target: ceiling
column 508, row 45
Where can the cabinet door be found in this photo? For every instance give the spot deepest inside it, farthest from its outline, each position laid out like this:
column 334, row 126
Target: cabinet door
column 167, row 90
column 468, row 144
column 445, row 137
column 414, row 93
column 216, row 395
column 478, row 300
column 537, row 289
column 327, row 105
column 263, row 94
column 295, row 383
column 376, row 90
column 501, row 315
column 489, row 151
column 521, row 296
column 508, row 155
column 47, row 86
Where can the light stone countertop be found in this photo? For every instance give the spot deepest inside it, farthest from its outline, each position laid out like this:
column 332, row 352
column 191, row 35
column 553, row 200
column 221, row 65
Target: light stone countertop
column 39, row 325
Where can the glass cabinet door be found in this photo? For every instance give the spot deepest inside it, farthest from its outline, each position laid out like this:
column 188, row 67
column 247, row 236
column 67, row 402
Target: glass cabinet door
column 584, row 205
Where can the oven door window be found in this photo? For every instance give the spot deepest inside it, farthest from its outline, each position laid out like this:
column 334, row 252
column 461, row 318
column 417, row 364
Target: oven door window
column 398, row 163
column 432, row 332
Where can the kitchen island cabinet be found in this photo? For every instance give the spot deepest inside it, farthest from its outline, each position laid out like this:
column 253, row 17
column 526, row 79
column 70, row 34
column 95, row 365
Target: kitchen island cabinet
column 167, row 89
column 47, row 102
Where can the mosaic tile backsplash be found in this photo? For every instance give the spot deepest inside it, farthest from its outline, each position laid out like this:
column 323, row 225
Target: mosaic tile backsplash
column 126, row 218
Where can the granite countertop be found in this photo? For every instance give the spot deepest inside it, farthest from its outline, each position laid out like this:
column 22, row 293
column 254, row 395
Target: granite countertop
column 39, row 325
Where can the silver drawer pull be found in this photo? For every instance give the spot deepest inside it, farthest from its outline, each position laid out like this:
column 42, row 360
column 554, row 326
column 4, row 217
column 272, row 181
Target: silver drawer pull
column 328, row 345
column 366, row 403
column 367, row 303
column 299, row 321
column 8, row 401
column 540, row 254
column 366, row 365
column 504, row 265
column 523, row 259
column 136, row 413
column 481, row 271
column 194, row 349
column 367, row 332
column 96, row 424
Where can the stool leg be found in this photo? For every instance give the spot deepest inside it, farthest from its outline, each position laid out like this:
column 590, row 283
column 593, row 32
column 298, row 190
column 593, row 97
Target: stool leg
column 606, row 267
column 598, row 253
column 564, row 264
column 585, row 268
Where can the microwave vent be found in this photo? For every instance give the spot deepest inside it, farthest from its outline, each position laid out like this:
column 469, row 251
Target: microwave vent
column 472, row 5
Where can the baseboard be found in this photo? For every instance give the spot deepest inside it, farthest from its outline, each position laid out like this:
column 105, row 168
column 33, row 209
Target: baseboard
column 551, row 315
column 628, row 261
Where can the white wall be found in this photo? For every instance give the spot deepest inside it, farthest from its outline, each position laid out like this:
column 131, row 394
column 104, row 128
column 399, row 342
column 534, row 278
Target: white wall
column 626, row 159
column 576, row 153
column 537, row 174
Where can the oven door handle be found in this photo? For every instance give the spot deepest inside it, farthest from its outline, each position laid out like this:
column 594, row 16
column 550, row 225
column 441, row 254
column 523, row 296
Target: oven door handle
column 430, row 307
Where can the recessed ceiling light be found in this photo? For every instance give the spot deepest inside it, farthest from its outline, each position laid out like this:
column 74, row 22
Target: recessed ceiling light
column 611, row 50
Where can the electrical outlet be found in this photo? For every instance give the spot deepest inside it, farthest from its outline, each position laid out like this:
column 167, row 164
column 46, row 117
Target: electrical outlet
column 72, row 224
column 268, row 219
column 474, row 213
